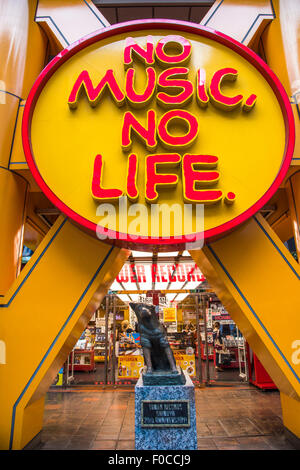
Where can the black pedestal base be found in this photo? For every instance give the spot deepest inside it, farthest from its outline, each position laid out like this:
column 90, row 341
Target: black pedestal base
column 164, row 378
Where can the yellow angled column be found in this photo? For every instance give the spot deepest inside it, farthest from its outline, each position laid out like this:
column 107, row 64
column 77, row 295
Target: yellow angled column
column 13, row 191
column 257, row 280
column 293, row 193
column 20, row 38
column 42, row 316
column 280, row 44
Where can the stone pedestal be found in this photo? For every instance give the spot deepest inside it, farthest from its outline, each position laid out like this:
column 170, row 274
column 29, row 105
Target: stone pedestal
column 165, row 416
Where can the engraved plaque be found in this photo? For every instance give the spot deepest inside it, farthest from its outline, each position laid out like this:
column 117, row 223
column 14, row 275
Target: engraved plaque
column 165, row 414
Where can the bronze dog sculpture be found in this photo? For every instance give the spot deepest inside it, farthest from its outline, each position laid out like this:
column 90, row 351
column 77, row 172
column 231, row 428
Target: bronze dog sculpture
column 157, row 352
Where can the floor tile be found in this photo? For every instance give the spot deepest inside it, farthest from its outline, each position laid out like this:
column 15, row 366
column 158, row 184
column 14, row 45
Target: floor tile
column 239, row 427
column 253, row 443
column 235, row 417
column 126, row 445
column 104, row 445
column 206, row 444
column 226, row 443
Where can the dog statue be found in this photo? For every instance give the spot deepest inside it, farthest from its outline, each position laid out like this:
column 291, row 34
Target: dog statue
column 157, row 352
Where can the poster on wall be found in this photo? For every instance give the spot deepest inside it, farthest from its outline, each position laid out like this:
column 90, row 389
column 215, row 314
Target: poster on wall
column 130, row 367
column 186, row 362
column 129, row 344
column 170, row 314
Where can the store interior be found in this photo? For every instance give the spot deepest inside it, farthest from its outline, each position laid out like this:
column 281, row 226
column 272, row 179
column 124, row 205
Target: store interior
column 124, row 358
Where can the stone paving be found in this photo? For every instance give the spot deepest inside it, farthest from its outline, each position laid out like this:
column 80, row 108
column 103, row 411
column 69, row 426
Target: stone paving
column 235, row 417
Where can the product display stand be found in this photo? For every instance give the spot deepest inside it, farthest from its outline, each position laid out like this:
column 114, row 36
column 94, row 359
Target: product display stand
column 82, row 359
column 165, row 416
column 70, row 367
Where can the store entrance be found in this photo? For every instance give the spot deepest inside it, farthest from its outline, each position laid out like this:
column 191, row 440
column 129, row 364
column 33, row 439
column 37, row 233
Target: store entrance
column 206, row 343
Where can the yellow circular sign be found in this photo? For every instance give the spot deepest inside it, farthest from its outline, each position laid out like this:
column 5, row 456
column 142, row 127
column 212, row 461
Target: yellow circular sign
column 158, row 133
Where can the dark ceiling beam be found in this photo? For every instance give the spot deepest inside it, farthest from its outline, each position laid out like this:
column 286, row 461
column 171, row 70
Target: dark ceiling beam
column 154, row 261
column 147, row 3
column 132, row 262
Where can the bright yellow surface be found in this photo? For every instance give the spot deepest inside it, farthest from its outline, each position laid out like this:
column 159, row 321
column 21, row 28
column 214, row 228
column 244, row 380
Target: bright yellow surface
column 293, row 193
column 65, row 143
column 42, row 316
column 291, row 414
column 257, row 280
column 13, row 193
column 281, row 44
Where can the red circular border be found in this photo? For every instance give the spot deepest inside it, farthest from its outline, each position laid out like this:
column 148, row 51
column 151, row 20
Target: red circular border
column 171, row 243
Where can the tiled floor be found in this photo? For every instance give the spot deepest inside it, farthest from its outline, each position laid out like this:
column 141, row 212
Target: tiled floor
column 237, row 417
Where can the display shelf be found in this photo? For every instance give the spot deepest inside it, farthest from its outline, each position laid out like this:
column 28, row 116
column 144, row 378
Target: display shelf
column 233, row 345
column 203, row 353
column 84, row 360
column 180, row 341
column 234, row 364
column 100, row 354
column 210, row 351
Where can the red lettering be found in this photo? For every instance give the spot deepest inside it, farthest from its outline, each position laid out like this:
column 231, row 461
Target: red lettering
column 180, row 273
column 190, row 272
column 182, row 48
column 220, row 100
column 178, row 116
column 193, row 178
column 140, row 100
column 140, row 270
column 132, row 272
column 123, row 275
column 147, row 134
column 98, row 191
column 154, row 179
column 155, row 275
column 84, row 83
column 132, row 168
column 146, row 55
column 165, row 81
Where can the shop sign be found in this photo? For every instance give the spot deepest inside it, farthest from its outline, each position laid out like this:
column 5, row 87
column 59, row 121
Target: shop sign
column 156, row 132
column 209, row 318
column 160, row 273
